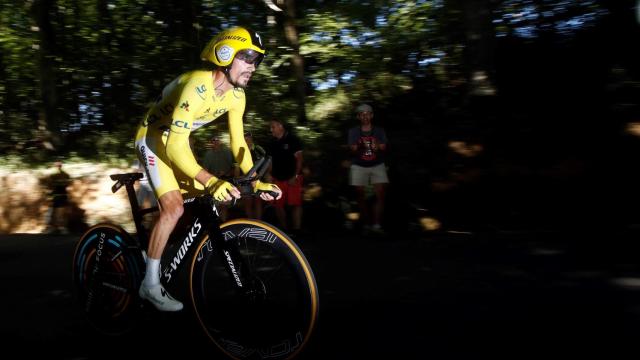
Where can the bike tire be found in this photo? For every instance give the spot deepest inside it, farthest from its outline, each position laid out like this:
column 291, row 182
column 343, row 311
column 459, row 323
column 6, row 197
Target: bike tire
column 108, row 295
column 277, row 319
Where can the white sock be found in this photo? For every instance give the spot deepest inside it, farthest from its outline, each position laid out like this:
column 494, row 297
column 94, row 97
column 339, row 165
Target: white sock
column 152, row 276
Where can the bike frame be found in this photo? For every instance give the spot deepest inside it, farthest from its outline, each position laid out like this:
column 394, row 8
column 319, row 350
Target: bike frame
column 265, row 273
column 200, row 211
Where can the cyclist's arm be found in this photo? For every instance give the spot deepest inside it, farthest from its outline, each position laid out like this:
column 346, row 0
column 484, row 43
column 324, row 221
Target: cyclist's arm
column 240, row 148
column 236, row 133
column 203, row 176
column 178, row 149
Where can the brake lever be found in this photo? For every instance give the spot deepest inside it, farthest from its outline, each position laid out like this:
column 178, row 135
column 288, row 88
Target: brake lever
column 272, row 193
column 255, row 173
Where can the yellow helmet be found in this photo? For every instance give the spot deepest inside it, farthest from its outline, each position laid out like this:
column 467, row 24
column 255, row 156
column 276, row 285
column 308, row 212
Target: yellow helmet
column 223, row 48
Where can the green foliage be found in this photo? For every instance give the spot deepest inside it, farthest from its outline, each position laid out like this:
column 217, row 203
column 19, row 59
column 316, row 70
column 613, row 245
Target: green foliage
column 110, row 59
column 17, row 72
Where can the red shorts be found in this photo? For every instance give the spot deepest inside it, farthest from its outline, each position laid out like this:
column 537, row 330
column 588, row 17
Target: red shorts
column 291, row 194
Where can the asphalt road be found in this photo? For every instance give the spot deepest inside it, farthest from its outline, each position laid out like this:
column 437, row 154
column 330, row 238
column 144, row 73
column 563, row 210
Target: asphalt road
column 446, row 295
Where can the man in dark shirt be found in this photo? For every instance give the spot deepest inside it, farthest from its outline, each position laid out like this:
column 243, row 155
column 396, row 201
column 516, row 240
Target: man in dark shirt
column 286, row 171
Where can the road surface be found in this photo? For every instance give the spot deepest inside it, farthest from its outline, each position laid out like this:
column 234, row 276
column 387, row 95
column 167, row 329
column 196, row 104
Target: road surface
column 446, row 295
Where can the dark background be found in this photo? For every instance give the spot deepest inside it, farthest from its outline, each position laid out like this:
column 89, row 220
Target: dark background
column 517, row 113
column 513, row 123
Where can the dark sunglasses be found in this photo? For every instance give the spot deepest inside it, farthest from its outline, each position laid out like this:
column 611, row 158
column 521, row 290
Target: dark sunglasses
column 250, row 57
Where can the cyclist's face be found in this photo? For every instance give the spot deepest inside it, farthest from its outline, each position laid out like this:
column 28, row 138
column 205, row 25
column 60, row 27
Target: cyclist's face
column 240, row 72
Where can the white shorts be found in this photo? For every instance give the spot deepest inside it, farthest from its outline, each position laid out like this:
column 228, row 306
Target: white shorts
column 363, row 176
column 163, row 176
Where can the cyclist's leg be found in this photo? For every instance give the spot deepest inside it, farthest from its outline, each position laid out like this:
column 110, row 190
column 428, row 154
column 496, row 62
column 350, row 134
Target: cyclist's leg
column 165, row 186
column 171, row 209
column 151, row 288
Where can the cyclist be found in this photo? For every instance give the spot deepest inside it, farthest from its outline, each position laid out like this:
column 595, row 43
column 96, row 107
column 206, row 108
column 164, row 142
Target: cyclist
column 190, row 101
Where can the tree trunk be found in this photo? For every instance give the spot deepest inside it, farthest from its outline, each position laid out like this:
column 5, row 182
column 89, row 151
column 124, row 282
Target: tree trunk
column 480, row 49
column 105, row 81
column 6, row 102
column 186, row 18
column 49, row 115
column 291, row 34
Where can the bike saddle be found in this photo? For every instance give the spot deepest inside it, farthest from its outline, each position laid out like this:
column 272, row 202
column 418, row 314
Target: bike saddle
column 123, row 179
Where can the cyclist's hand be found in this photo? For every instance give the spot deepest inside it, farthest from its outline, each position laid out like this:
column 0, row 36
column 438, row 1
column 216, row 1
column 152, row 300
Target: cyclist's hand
column 222, row 190
column 267, row 191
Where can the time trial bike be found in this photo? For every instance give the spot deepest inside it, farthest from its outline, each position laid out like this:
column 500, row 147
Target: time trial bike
column 250, row 287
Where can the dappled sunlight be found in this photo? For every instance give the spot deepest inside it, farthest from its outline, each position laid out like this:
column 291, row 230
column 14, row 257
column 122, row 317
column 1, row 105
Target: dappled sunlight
column 633, row 128
column 430, row 223
column 92, row 191
column 24, row 209
column 627, row 283
column 353, row 216
column 465, row 149
column 312, row 192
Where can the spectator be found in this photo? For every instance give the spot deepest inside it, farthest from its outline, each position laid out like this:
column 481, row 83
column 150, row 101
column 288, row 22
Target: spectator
column 257, row 151
column 253, row 205
column 286, row 171
column 57, row 218
column 368, row 144
column 218, row 160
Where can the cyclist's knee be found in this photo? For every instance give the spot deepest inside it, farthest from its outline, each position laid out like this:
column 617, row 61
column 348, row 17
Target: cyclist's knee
column 172, row 213
column 171, row 205
column 177, row 212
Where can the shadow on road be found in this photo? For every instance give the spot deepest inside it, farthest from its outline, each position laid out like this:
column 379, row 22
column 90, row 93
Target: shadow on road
column 437, row 295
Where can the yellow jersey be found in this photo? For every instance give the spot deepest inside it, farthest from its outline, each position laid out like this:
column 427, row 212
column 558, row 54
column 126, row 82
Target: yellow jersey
column 186, row 104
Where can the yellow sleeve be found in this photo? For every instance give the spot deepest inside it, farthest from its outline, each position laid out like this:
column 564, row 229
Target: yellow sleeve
column 236, row 133
column 178, row 149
